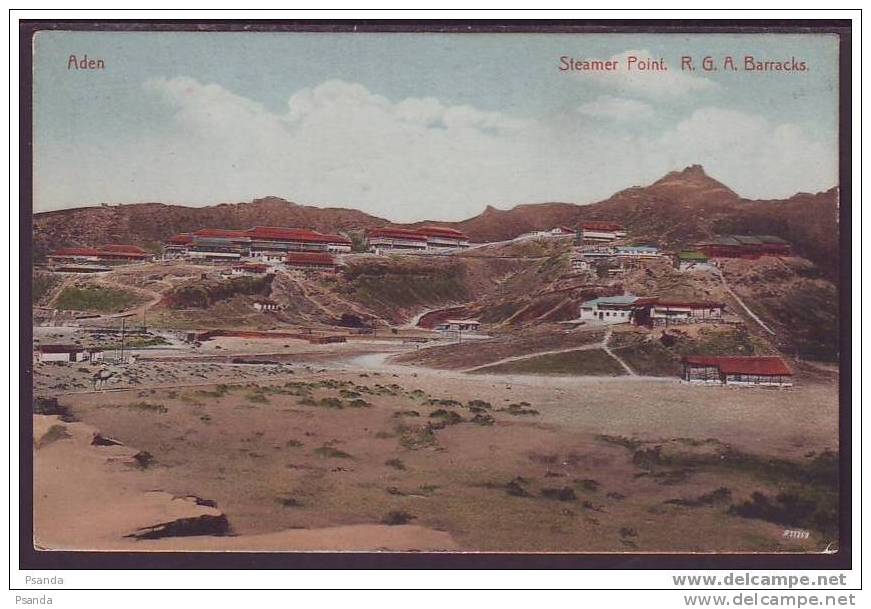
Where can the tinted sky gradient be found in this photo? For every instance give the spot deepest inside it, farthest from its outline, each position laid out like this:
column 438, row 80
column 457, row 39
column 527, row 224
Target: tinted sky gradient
column 413, row 126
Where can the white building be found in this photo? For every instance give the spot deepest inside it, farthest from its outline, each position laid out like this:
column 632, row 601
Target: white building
column 580, row 263
column 266, row 305
column 252, row 269
column 602, row 231
column 653, row 311
column 553, row 233
column 66, row 353
column 637, row 252
column 459, row 325
column 609, row 309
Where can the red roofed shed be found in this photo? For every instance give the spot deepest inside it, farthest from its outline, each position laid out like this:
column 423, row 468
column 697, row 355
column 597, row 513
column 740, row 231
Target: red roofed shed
column 737, row 370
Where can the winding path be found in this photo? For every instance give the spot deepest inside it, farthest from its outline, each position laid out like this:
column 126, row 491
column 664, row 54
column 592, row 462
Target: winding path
column 603, row 345
column 744, row 306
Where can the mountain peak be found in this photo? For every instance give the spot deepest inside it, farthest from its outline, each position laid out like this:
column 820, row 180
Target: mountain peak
column 693, row 178
column 693, row 170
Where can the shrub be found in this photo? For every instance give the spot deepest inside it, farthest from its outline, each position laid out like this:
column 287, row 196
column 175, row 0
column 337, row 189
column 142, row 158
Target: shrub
column 397, row 517
column 328, row 452
column 449, row 417
column 561, row 494
column 148, row 407
column 395, row 463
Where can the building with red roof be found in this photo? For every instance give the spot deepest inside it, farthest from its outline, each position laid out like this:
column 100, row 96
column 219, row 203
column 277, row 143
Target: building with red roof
column 768, row 371
column 443, row 237
column 311, row 261
column 251, row 268
column 267, row 243
column 105, row 253
column 665, row 312
column 69, row 254
column 744, row 246
column 266, row 239
column 387, row 239
column 599, row 232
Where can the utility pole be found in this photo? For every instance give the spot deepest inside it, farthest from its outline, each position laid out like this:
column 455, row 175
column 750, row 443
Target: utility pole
column 123, row 320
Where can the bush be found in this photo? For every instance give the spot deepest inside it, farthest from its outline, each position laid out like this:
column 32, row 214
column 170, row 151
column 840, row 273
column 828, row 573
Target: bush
column 397, row 517
column 328, row 452
column 93, row 298
column 395, row 463
column 561, row 494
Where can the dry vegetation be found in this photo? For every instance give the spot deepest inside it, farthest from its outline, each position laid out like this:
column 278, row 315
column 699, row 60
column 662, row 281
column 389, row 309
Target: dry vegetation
column 498, row 468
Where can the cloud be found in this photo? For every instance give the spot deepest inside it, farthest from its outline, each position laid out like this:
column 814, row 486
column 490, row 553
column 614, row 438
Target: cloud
column 617, row 108
column 751, row 154
column 654, row 84
column 341, row 144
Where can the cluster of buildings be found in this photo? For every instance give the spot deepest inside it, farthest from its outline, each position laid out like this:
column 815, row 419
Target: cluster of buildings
column 650, row 311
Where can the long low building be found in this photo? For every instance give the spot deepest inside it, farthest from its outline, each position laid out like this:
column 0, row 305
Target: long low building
column 766, row 371
column 266, row 243
column 600, row 232
column 66, row 353
column 311, row 261
column 425, row 238
column 663, row 312
column 103, row 253
column 744, row 246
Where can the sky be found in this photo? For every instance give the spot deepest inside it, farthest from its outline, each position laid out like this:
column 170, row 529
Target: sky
column 421, row 126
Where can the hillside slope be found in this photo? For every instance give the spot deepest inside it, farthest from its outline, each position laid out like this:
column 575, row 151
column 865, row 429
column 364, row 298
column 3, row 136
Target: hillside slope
column 674, row 211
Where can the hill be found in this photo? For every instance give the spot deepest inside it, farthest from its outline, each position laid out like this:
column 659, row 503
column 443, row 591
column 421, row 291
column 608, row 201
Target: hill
column 675, row 211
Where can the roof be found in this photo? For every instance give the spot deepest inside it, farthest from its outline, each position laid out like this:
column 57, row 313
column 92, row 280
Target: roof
column 747, row 239
column 76, row 251
column 692, row 256
column 639, row 248
column 220, row 233
column 60, row 349
column 766, row 366
column 462, row 321
column 772, row 239
column 316, row 258
column 737, row 240
column 281, row 233
column 397, row 233
column 252, row 266
column 180, row 239
column 609, row 226
column 124, row 249
column 721, row 240
column 698, row 304
column 441, row 231
column 625, row 300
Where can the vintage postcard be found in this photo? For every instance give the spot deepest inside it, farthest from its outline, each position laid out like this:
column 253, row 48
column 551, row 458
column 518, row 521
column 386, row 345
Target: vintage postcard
column 432, row 291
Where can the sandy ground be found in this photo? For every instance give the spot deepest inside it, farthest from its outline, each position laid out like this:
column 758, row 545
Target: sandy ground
column 317, row 447
column 92, row 497
column 277, row 456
